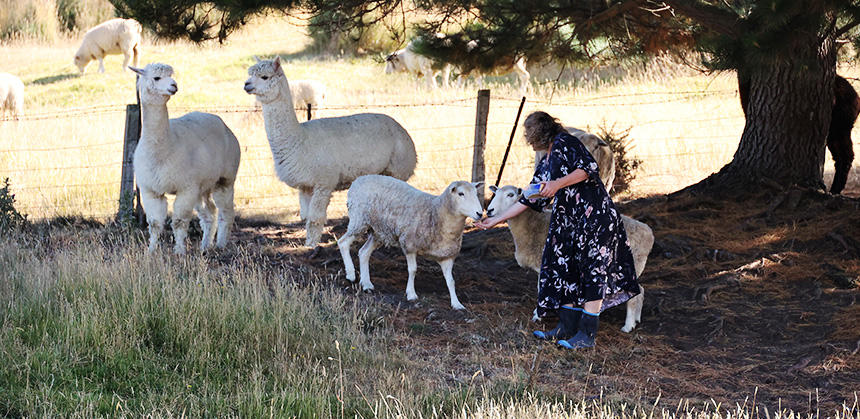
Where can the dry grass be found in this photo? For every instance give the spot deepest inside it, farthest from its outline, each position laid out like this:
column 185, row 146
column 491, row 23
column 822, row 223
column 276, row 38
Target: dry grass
column 61, row 161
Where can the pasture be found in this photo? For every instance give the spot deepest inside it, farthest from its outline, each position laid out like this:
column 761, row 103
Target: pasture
column 92, row 325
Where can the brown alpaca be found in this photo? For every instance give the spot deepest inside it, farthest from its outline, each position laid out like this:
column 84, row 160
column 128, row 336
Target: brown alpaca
column 846, row 106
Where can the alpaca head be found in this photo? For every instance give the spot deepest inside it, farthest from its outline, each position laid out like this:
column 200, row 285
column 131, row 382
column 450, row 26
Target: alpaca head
column 156, row 84
column 462, row 198
column 504, row 198
column 264, row 80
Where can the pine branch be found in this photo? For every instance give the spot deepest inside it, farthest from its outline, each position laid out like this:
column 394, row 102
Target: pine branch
column 710, row 17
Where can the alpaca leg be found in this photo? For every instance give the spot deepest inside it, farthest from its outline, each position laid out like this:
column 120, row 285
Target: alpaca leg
column 364, row 262
column 352, row 231
column 316, row 216
column 447, row 266
column 155, row 208
column 226, row 214
column 205, row 212
column 411, row 267
column 634, row 311
column 304, row 203
column 182, row 207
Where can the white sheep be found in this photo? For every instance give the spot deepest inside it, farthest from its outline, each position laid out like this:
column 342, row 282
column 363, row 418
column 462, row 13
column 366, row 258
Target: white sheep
column 320, row 156
column 406, row 60
column 11, row 96
column 194, row 157
column 530, row 228
column 304, row 93
column 115, row 36
column 418, row 222
column 599, row 149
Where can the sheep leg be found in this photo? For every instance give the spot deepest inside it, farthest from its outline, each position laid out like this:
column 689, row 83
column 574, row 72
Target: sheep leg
column 182, row 207
column 447, row 266
column 343, row 244
column 101, row 65
column 446, row 76
column 304, row 202
column 226, row 214
column 411, row 267
column 125, row 60
column 316, row 216
column 364, row 262
column 205, row 211
column 634, row 311
column 155, row 208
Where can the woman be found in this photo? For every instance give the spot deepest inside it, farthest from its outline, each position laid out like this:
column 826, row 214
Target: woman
column 587, row 266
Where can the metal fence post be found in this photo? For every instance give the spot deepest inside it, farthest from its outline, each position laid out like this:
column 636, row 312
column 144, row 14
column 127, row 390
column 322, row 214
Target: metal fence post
column 481, row 115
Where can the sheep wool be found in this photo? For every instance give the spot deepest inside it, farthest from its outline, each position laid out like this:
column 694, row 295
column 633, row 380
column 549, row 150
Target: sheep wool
column 115, row 36
column 11, row 96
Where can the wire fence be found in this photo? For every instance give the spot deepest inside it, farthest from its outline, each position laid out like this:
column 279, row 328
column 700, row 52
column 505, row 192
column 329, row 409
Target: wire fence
column 68, row 162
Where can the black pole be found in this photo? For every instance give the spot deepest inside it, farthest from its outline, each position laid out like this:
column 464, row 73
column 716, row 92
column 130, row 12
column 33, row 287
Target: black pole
column 510, row 141
column 309, row 111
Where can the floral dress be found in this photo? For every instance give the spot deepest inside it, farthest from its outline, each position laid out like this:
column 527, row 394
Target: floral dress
column 586, row 256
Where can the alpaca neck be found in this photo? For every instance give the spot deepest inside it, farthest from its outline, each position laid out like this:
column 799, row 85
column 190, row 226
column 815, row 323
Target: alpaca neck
column 282, row 126
column 154, row 123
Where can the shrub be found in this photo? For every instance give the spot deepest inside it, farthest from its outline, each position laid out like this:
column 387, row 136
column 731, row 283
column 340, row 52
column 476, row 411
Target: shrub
column 625, row 166
column 10, row 218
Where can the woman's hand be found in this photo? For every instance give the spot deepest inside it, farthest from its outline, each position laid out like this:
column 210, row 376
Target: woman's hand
column 488, row 222
column 549, row 188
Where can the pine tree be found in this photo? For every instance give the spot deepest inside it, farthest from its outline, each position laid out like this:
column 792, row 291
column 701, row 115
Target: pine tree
column 785, row 49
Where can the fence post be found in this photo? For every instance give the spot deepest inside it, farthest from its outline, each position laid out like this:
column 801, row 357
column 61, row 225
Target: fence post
column 309, row 111
column 483, row 111
column 127, row 208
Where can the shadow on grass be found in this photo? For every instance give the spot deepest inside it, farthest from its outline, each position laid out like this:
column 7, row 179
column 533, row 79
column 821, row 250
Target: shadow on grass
column 57, row 78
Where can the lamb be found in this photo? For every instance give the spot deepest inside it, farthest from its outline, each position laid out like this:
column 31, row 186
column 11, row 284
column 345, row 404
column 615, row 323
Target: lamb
column 115, row 36
column 529, row 230
column 305, row 93
column 420, row 223
column 599, row 149
column 194, row 157
column 11, row 96
column 408, row 61
column 320, row 156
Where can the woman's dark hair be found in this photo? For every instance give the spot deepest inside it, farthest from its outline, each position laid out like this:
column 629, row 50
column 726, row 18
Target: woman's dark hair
column 541, row 128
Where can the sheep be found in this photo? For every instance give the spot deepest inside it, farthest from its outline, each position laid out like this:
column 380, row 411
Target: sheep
column 305, row 93
column 599, row 149
column 11, row 96
column 408, row 61
column 515, row 64
column 115, row 36
column 846, row 107
column 320, row 156
column 194, row 157
column 529, row 230
column 420, row 223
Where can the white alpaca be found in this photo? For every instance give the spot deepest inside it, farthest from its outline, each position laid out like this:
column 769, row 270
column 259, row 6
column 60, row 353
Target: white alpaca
column 194, row 157
column 115, row 36
column 323, row 155
column 399, row 215
column 406, row 60
column 11, row 96
column 530, row 228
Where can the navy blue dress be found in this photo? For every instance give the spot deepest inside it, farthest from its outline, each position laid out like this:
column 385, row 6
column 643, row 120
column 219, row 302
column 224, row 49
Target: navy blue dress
column 586, row 256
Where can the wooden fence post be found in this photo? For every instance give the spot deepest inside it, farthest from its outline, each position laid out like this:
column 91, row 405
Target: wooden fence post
column 127, row 192
column 483, row 111
column 309, row 111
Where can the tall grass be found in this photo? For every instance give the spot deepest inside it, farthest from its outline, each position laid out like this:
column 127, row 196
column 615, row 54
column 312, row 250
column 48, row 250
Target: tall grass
column 48, row 20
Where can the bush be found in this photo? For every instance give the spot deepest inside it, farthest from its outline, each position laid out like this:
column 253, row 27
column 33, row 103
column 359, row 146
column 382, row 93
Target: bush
column 10, row 218
column 625, row 166
column 45, row 19
column 372, row 39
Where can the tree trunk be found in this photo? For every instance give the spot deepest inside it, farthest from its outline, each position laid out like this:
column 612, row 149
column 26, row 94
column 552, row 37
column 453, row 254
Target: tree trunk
column 787, row 120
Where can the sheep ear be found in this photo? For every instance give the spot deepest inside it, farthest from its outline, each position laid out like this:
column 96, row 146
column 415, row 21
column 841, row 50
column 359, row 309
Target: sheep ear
column 494, row 188
column 519, row 191
column 136, row 70
column 478, row 184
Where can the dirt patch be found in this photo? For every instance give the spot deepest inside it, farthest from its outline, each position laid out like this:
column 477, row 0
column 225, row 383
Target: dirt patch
column 744, row 298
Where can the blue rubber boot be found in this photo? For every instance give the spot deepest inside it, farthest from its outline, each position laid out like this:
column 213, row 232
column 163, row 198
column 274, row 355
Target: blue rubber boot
column 584, row 338
column 567, row 326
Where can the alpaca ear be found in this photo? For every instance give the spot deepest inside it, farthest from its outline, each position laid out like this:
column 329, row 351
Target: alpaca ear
column 494, row 188
column 277, row 62
column 136, row 70
column 257, row 58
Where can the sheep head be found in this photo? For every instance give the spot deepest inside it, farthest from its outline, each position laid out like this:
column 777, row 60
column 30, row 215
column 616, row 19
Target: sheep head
column 82, row 60
column 393, row 63
column 462, row 198
column 503, row 198
column 155, row 84
column 264, row 79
